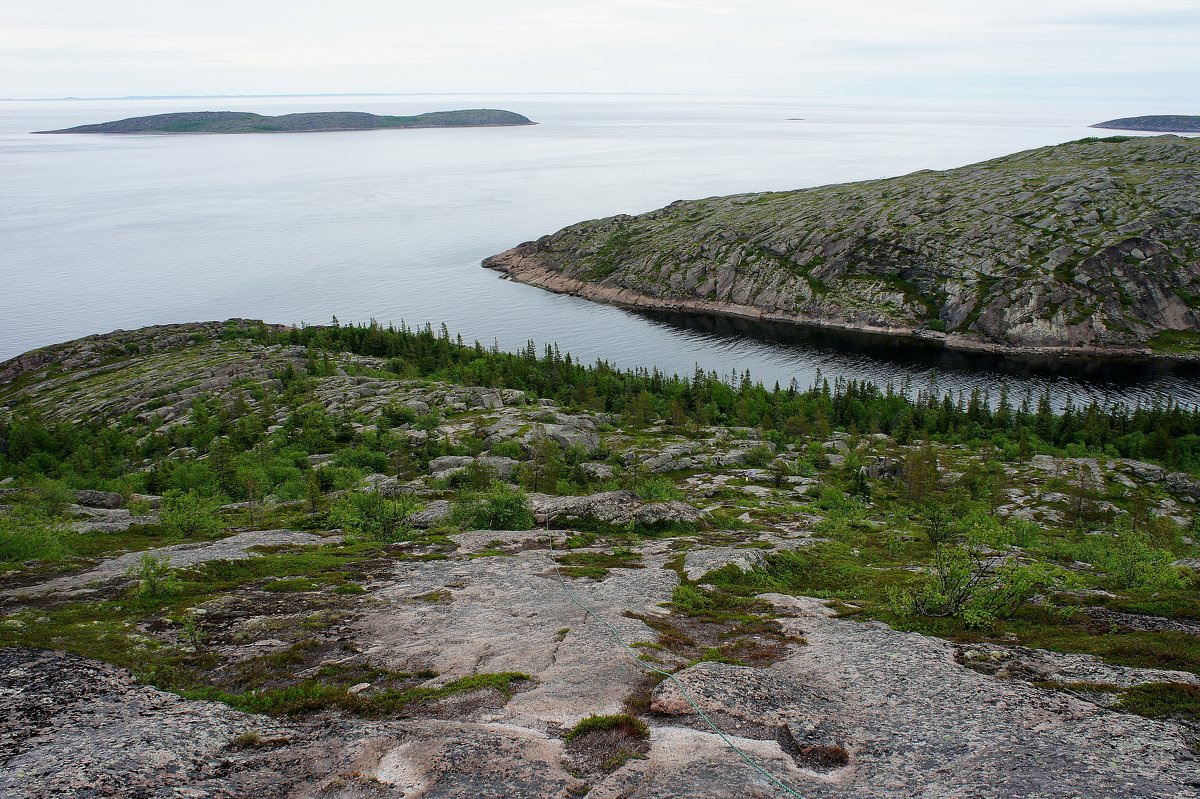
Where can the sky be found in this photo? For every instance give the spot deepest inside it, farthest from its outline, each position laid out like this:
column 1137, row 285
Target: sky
column 1041, row 49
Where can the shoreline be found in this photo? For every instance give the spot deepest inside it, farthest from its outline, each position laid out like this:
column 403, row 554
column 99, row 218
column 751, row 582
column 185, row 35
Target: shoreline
column 514, row 265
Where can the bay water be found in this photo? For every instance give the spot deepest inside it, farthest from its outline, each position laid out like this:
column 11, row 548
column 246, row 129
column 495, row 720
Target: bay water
column 106, row 232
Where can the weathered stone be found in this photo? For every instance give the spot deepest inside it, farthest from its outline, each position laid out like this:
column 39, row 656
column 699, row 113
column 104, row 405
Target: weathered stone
column 1145, row 472
column 883, row 468
column 448, row 463
column 434, row 514
column 614, row 507
column 99, row 499
column 597, row 471
column 152, row 501
column 1183, row 485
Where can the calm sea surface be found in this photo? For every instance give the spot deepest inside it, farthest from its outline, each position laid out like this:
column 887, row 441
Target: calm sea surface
column 105, row 232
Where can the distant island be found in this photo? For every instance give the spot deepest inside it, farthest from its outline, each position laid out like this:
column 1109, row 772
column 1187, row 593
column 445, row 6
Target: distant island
column 1162, row 123
column 245, row 122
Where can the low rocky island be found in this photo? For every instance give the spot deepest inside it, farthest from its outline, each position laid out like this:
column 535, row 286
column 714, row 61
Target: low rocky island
column 245, row 122
column 1159, row 123
column 240, row 559
column 1090, row 247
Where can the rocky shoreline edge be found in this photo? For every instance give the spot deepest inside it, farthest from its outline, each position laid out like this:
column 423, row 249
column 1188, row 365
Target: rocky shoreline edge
column 515, row 264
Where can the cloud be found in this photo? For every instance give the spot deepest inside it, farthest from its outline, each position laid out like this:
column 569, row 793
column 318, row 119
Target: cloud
column 71, row 47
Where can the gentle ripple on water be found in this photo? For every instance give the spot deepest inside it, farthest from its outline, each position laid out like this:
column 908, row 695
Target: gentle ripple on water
column 98, row 232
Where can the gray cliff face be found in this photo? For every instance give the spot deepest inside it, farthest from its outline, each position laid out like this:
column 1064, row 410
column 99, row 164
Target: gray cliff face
column 1091, row 244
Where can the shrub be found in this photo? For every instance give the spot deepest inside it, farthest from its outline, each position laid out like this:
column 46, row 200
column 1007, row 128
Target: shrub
column 1158, row 700
column 49, row 497
column 31, row 536
column 394, row 414
column 190, row 515
column 475, row 476
column 155, row 578
column 509, row 449
column 544, row 467
column 1133, row 562
column 962, row 584
column 651, row 488
column 369, row 514
column 362, row 459
column 501, row 507
column 760, row 456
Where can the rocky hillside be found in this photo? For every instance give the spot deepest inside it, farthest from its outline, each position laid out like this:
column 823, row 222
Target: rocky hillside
column 1158, row 123
column 1087, row 246
column 245, row 122
column 233, row 567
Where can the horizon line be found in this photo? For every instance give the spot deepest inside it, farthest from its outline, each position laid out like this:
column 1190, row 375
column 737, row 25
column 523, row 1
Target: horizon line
column 382, row 94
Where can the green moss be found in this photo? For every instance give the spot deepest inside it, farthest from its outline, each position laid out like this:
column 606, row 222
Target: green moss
column 596, row 565
column 311, row 696
column 627, row 725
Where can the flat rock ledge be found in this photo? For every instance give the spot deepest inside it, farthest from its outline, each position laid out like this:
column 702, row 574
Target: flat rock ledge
column 860, row 711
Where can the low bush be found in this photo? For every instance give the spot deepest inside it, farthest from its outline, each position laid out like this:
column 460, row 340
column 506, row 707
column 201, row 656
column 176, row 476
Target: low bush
column 370, row 515
column 501, row 507
column 155, row 578
column 31, row 536
column 190, row 515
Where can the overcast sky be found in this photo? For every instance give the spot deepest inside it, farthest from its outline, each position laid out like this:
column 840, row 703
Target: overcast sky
column 847, row 48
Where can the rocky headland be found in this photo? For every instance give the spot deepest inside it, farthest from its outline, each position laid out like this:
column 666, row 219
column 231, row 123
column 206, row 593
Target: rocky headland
column 1091, row 247
column 326, row 121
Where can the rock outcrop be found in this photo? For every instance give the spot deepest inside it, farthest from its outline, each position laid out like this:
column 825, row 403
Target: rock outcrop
column 1085, row 247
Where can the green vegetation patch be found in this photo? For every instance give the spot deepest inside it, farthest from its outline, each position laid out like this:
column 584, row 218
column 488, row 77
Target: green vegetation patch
column 1176, row 342
column 623, row 723
column 596, row 565
column 1162, row 699
column 311, row 696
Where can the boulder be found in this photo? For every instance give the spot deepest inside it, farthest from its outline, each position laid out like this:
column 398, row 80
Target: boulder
column 99, row 499
column 440, row 467
column 1146, row 472
column 883, row 468
column 154, row 501
column 673, row 458
column 433, row 515
column 597, row 471
column 566, row 431
column 489, row 398
column 1183, row 485
column 836, row 445
column 612, row 507
column 503, row 468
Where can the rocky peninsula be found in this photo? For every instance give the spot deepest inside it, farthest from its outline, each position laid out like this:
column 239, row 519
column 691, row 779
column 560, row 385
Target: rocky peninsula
column 245, row 122
column 1091, row 247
